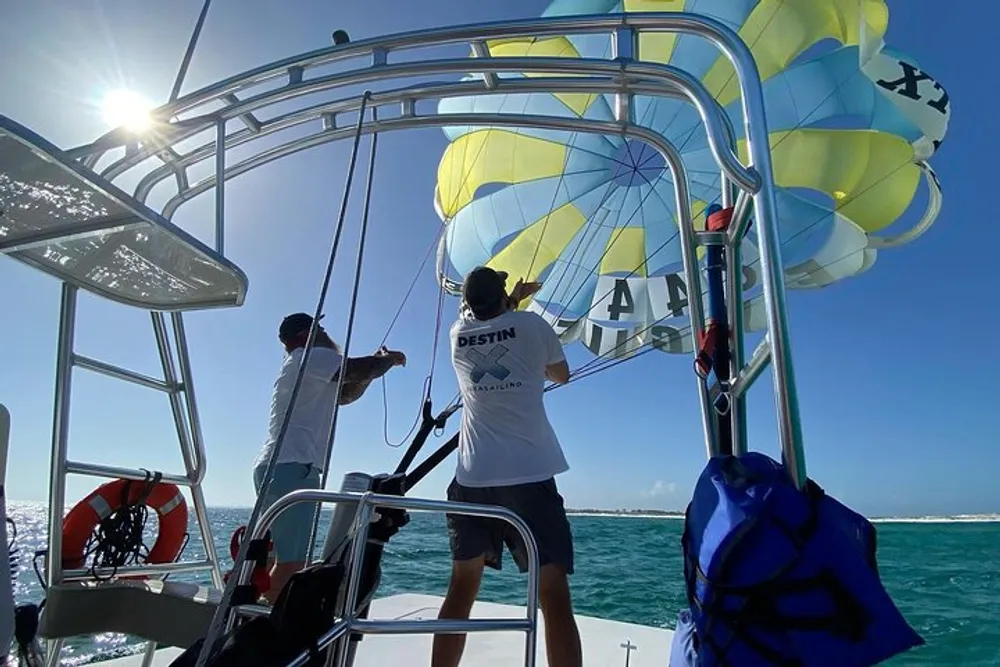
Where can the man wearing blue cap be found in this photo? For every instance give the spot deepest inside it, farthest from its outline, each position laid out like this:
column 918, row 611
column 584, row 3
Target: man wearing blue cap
column 303, row 452
column 508, row 455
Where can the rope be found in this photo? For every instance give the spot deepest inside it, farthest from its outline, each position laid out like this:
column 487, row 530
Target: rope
column 604, row 361
column 349, row 334
column 428, row 380
column 596, row 362
column 13, row 551
column 222, row 611
column 38, row 555
column 413, row 284
column 118, row 539
column 385, row 416
column 175, row 91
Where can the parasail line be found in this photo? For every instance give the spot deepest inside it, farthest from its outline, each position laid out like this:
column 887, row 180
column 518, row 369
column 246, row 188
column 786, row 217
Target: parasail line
column 548, row 216
column 796, row 235
column 413, row 284
column 607, row 249
column 620, row 230
column 349, row 333
column 591, row 364
column 750, row 47
column 428, row 380
column 241, row 567
column 589, row 242
column 798, row 125
column 385, row 415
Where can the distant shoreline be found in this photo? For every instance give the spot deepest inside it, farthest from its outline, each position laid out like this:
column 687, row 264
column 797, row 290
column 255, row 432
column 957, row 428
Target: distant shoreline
column 678, row 514
column 636, row 514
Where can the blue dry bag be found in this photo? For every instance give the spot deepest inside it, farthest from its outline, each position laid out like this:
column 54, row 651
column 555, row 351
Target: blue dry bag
column 776, row 576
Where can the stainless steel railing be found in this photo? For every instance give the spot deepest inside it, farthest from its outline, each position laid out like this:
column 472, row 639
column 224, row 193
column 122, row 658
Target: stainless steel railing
column 178, row 385
column 367, row 504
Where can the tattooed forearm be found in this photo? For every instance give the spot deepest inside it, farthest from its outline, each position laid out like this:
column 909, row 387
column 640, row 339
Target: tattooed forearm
column 365, row 369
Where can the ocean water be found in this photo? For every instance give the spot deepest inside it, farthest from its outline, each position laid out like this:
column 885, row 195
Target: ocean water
column 944, row 576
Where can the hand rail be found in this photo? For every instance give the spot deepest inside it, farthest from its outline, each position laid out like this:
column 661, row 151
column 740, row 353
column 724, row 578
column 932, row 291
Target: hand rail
column 668, row 79
column 115, row 472
column 151, row 570
column 239, row 95
column 4, row 442
column 367, row 503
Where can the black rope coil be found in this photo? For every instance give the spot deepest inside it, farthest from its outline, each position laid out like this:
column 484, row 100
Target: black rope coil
column 13, row 551
column 117, row 541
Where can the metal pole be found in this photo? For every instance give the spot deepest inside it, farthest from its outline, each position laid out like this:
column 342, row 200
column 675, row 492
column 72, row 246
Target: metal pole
column 765, row 209
column 362, row 523
column 176, row 406
column 370, row 501
column 737, row 351
column 188, row 53
column 350, row 331
column 60, row 431
column 242, row 568
column 7, row 622
column 60, row 445
column 220, row 187
column 197, row 448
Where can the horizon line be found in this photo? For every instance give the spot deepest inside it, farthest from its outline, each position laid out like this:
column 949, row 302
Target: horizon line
column 984, row 517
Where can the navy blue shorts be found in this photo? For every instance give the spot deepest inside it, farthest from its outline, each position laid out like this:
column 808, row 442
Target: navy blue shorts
column 538, row 504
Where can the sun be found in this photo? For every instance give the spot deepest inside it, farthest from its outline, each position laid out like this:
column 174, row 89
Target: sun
column 126, row 108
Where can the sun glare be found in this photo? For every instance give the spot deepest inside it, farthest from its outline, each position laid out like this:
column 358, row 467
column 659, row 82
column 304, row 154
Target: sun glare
column 127, row 108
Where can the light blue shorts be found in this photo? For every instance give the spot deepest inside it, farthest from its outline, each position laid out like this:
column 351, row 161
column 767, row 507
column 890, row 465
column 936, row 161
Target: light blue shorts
column 290, row 532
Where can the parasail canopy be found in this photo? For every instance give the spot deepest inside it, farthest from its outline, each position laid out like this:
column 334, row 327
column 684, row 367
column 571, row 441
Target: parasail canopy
column 852, row 127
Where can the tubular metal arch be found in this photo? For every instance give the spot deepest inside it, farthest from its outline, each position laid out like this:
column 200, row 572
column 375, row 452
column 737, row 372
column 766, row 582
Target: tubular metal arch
column 621, row 78
column 232, row 112
column 625, row 29
column 242, row 95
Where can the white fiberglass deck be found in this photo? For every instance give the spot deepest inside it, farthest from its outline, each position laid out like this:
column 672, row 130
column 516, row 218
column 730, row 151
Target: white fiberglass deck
column 602, row 640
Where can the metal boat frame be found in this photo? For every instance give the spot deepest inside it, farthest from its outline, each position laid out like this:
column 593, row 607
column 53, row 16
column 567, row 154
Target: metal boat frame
column 230, row 114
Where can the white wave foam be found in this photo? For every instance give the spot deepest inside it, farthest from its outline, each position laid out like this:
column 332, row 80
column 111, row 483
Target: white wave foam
column 956, row 518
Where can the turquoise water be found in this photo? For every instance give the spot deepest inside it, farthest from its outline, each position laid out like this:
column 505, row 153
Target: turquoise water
column 945, row 577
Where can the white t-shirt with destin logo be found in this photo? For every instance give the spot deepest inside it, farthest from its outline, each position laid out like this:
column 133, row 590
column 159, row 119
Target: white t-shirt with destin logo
column 506, row 437
column 306, row 437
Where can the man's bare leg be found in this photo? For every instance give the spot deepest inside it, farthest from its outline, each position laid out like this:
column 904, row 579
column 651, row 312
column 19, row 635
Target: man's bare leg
column 280, row 574
column 466, row 575
column 562, row 638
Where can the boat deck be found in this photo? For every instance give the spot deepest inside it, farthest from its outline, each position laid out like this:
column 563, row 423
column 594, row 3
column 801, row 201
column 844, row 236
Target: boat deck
column 602, row 640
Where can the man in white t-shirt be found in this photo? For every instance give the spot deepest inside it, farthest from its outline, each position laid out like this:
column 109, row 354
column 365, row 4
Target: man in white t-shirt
column 303, row 452
column 508, row 455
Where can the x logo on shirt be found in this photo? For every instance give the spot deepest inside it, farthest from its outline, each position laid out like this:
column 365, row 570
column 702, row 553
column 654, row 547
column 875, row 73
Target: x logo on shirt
column 488, row 363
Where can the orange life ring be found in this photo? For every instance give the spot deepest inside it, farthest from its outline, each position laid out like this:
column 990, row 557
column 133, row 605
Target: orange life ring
column 166, row 499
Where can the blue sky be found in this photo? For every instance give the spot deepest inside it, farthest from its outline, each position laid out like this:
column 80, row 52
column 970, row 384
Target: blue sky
column 893, row 421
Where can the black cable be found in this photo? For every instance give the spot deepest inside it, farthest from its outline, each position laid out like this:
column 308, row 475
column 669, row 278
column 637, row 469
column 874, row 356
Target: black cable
column 38, row 570
column 117, row 541
column 413, row 284
column 13, row 551
column 416, row 421
column 221, row 614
